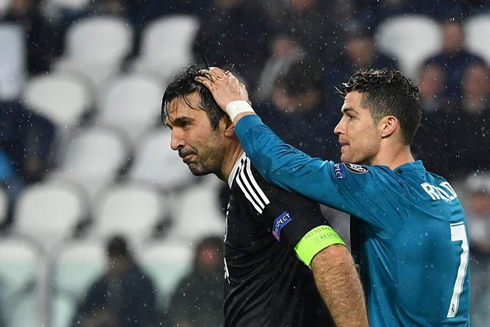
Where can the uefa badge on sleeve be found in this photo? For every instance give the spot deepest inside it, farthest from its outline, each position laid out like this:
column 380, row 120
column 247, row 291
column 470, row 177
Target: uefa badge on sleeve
column 339, row 170
column 279, row 223
column 356, row 169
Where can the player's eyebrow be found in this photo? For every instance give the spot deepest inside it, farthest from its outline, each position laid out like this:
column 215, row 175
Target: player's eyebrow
column 179, row 121
column 348, row 110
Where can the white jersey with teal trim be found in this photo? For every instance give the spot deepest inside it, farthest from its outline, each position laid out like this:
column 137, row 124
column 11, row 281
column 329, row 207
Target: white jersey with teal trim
column 409, row 236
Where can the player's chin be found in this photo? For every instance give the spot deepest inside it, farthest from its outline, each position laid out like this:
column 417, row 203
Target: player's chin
column 345, row 158
column 197, row 170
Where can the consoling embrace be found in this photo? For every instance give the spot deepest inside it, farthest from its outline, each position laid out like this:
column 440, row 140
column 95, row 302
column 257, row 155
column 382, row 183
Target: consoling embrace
column 285, row 264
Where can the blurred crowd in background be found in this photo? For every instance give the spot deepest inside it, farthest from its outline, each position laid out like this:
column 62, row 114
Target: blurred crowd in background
column 80, row 88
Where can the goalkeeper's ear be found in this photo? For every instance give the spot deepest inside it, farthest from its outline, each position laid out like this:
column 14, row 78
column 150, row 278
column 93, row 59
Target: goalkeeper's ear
column 229, row 127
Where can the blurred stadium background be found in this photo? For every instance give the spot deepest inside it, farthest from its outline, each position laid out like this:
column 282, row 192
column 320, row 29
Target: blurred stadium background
column 83, row 154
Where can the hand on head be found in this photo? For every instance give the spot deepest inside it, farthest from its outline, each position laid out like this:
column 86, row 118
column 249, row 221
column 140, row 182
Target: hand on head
column 223, row 85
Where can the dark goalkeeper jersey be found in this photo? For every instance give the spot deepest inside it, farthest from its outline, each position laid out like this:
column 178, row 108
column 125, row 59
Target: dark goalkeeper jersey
column 266, row 283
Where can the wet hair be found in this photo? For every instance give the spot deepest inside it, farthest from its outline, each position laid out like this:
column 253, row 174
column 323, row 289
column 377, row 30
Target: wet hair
column 184, row 85
column 387, row 92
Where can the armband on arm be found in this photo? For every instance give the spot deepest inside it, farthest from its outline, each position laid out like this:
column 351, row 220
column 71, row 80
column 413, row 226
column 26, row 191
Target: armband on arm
column 316, row 240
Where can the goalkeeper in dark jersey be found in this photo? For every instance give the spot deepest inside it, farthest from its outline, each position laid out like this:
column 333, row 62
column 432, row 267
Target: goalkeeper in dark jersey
column 284, row 264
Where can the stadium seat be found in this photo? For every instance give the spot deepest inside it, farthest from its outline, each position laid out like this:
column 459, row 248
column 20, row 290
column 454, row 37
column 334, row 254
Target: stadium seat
column 96, row 47
column 198, row 211
column 167, row 45
column 166, row 263
column 49, row 212
column 76, row 266
column 62, row 98
column 63, row 307
column 96, row 75
column 410, row 39
column 477, row 29
column 477, row 182
column 12, row 61
column 132, row 103
column 99, row 39
column 93, row 158
column 155, row 162
column 69, row 4
column 130, row 209
column 20, row 268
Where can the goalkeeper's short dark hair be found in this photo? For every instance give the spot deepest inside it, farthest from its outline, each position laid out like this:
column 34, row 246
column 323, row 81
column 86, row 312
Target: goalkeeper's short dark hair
column 184, row 85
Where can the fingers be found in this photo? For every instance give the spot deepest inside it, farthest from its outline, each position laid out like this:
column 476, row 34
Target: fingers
column 217, row 79
column 214, row 73
column 204, row 80
column 217, row 72
column 242, row 87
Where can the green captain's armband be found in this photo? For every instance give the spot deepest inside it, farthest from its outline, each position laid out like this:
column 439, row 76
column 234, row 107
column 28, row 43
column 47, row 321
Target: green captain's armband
column 316, row 240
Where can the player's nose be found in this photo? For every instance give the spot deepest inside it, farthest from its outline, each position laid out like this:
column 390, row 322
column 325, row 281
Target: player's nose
column 177, row 141
column 339, row 129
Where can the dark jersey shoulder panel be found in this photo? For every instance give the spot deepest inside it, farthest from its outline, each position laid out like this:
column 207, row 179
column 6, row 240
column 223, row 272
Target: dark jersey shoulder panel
column 266, row 283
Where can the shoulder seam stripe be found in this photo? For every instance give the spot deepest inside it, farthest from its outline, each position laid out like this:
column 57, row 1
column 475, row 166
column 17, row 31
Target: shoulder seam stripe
column 254, row 182
column 246, row 193
column 253, row 191
column 250, row 190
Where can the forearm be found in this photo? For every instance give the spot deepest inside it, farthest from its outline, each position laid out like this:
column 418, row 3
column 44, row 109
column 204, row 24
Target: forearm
column 282, row 164
column 339, row 286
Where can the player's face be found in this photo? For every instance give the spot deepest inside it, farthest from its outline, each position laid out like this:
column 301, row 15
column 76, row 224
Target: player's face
column 199, row 146
column 358, row 135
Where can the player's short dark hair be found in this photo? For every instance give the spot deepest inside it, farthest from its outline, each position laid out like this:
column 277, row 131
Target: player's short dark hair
column 184, row 85
column 387, row 92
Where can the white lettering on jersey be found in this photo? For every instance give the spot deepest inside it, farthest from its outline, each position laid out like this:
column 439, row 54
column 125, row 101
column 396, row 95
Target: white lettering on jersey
column 445, row 192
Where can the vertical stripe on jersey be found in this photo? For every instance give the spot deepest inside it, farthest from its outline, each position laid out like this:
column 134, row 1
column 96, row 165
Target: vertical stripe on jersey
column 257, row 187
column 247, row 195
column 250, row 188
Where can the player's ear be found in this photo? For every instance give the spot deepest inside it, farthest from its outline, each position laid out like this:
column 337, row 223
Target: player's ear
column 229, row 127
column 387, row 126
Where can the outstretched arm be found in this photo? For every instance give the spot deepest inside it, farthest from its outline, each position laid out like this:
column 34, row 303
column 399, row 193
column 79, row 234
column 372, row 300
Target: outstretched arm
column 338, row 283
column 333, row 267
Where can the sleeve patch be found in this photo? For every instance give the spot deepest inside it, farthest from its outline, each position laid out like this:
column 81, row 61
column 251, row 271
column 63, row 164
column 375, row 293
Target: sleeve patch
column 316, row 240
column 356, row 169
column 339, row 170
column 279, row 223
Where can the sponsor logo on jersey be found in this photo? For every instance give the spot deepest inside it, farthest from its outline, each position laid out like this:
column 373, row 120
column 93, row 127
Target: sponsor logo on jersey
column 279, row 223
column 339, row 170
column 356, row 169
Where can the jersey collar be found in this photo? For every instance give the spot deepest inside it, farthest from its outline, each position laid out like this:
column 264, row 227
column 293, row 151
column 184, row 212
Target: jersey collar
column 417, row 165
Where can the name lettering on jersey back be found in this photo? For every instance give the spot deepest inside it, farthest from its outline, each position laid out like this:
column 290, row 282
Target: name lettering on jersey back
column 444, row 192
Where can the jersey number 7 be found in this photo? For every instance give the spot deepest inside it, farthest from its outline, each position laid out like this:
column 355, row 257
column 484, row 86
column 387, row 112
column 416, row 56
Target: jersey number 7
column 458, row 233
